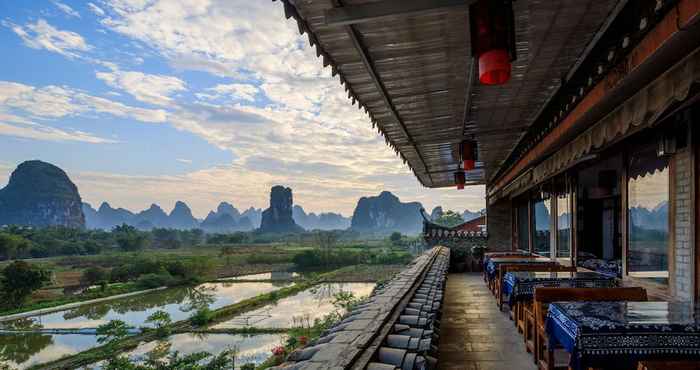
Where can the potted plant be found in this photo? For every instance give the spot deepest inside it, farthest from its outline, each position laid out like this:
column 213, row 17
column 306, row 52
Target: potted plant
column 458, row 258
column 478, row 252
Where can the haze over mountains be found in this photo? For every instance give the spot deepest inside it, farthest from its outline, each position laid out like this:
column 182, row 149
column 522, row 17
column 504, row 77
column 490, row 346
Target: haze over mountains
column 40, row 194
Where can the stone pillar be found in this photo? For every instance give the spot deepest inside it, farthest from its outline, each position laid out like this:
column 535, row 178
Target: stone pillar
column 499, row 225
column 683, row 249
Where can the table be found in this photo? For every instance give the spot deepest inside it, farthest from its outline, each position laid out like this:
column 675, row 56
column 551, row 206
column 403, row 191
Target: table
column 492, row 265
column 618, row 334
column 520, row 285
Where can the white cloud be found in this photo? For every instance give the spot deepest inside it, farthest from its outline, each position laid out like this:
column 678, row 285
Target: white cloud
column 185, row 161
column 153, row 89
column 51, row 102
column 41, row 35
column 67, row 9
column 308, row 137
column 96, row 9
column 232, row 91
column 43, row 132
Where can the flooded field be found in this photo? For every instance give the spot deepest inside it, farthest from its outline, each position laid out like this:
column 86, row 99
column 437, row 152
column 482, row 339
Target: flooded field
column 274, row 276
column 308, row 305
column 248, row 348
column 24, row 350
column 180, row 303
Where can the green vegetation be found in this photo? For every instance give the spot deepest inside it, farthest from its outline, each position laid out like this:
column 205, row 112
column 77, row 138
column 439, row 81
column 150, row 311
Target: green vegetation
column 450, row 219
column 175, row 361
column 11, row 245
column 202, row 317
column 161, row 321
column 304, row 331
column 18, row 281
column 112, row 331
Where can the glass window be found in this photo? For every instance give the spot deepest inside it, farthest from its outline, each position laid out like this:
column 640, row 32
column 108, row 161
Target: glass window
column 563, row 226
column 647, row 207
column 542, row 212
column 523, row 228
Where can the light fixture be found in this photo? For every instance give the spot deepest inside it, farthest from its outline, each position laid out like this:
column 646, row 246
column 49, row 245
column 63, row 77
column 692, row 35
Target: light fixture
column 493, row 39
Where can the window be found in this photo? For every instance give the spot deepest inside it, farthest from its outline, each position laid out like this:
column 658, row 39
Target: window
column 648, row 216
column 563, row 225
column 523, row 228
column 542, row 217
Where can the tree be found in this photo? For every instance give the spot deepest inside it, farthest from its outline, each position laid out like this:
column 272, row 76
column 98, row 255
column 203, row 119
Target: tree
column 395, row 237
column 129, row 238
column 450, row 219
column 11, row 245
column 160, row 320
column 18, row 280
column 112, row 331
column 94, row 275
column 325, row 241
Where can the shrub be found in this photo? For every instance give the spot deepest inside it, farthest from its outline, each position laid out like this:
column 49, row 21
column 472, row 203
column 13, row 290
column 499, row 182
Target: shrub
column 150, row 281
column 202, row 317
column 94, row 275
column 248, row 367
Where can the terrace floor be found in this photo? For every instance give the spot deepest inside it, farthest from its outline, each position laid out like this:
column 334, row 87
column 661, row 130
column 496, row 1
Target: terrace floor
column 474, row 335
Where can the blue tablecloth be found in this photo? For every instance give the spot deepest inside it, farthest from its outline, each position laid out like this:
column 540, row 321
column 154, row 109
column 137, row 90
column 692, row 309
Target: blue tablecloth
column 618, row 334
column 492, row 264
column 488, row 256
column 520, row 285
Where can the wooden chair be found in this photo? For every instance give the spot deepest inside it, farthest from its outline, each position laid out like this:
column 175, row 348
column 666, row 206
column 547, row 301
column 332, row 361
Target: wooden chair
column 504, row 268
column 513, row 256
column 523, row 312
column 665, row 365
column 544, row 355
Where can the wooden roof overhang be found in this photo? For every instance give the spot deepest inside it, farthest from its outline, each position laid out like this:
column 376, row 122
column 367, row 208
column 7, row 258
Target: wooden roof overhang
column 408, row 64
column 648, row 54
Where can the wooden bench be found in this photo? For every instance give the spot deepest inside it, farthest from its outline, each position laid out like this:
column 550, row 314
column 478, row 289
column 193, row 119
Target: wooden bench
column 544, row 356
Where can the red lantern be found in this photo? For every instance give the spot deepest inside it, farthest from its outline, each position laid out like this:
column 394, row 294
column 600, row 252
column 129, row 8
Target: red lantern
column 468, row 152
column 493, row 39
column 494, row 67
column 460, row 179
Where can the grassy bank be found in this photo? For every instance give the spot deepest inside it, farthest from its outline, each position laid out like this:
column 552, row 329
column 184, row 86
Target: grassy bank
column 95, row 293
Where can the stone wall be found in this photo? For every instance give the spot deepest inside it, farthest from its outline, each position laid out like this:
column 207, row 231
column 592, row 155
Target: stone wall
column 683, row 233
column 499, row 225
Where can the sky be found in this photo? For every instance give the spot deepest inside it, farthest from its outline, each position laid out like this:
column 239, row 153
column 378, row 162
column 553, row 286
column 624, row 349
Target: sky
column 154, row 101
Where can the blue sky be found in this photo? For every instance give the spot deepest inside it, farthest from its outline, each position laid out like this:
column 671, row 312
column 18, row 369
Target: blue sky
column 144, row 101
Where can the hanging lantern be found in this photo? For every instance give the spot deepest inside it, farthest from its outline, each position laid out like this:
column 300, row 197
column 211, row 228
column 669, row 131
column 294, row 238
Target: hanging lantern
column 493, row 39
column 460, row 179
column 468, row 152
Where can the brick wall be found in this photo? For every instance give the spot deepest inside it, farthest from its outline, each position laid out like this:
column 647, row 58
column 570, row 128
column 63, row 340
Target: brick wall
column 683, row 287
column 498, row 225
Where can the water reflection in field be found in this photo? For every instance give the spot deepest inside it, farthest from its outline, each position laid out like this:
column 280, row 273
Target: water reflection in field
column 274, row 276
column 248, row 348
column 20, row 351
column 178, row 302
column 309, row 304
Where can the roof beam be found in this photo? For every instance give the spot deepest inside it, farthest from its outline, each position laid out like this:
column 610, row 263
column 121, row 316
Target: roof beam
column 348, row 15
column 381, row 89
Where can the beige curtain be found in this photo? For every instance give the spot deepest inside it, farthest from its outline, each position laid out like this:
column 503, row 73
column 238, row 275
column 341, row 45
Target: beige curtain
column 642, row 109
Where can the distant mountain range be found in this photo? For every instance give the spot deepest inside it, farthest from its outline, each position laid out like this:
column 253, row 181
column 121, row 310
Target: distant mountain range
column 226, row 218
column 650, row 219
column 40, row 194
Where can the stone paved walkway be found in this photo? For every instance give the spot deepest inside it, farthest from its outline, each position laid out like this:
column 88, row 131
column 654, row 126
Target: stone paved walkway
column 474, row 335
